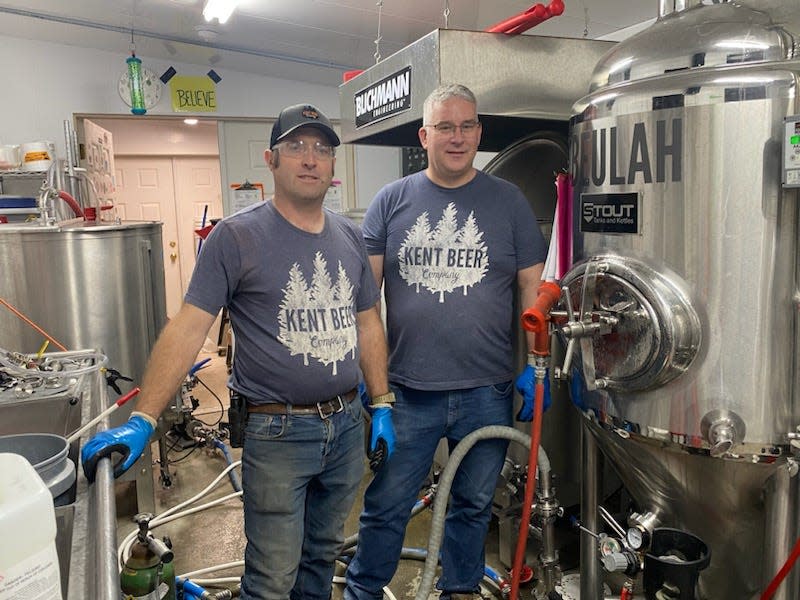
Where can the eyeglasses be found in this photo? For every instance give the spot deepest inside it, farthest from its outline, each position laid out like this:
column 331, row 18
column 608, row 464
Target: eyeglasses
column 298, row 148
column 447, row 128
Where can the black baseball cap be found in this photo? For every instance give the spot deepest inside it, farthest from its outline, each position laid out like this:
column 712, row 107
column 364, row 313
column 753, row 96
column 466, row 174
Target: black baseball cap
column 301, row 115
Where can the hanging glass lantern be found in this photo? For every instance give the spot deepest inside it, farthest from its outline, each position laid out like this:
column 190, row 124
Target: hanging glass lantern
column 135, row 80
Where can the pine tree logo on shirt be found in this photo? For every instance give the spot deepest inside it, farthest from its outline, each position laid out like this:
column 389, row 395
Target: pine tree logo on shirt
column 318, row 321
column 445, row 259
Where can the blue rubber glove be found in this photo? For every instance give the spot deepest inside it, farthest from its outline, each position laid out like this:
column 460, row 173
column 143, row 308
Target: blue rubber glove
column 381, row 437
column 129, row 440
column 526, row 386
column 364, row 397
column 381, row 432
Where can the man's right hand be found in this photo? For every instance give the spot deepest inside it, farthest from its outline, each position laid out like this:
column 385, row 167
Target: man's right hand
column 129, row 440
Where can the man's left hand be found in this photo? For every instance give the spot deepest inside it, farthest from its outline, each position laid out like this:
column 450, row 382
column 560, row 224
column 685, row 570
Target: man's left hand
column 381, row 434
column 526, row 386
column 382, row 437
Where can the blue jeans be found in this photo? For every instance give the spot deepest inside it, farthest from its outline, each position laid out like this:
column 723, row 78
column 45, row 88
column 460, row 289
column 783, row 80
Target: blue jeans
column 300, row 475
column 421, row 419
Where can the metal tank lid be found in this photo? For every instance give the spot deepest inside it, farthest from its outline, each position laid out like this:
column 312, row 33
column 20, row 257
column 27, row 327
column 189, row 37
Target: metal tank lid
column 76, row 226
column 709, row 34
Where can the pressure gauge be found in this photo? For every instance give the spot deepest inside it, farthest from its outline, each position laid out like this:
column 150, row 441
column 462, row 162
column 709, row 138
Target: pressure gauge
column 608, row 545
column 637, row 538
column 640, row 529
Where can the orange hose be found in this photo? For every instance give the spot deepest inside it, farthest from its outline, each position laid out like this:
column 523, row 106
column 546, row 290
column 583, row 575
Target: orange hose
column 73, row 204
column 528, row 18
column 58, row 344
column 781, row 575
column 535, row 318
column 530, row 486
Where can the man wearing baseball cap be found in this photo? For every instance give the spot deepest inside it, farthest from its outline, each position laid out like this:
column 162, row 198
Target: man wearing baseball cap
column 302, row 301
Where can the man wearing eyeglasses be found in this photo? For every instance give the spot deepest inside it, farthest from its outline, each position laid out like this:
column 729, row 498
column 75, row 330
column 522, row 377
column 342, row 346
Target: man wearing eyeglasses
column 448, row 244
column 303, row 305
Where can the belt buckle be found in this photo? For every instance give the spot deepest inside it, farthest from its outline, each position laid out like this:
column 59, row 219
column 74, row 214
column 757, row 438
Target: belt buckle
column 326, row 409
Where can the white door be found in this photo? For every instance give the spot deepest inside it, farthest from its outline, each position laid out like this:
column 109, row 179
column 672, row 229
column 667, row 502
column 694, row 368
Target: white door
column 146, row 192
column 197, row 192
column 174, row 191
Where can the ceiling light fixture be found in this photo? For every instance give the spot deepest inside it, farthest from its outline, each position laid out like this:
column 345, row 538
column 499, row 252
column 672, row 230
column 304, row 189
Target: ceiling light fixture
column 190, row 121
column 219, row 9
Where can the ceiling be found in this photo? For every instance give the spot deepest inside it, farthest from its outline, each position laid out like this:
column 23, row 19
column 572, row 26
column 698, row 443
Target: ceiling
column 306, row 40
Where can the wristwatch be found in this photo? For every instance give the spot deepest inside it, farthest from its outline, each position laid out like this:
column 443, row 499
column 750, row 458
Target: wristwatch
column 387, row 398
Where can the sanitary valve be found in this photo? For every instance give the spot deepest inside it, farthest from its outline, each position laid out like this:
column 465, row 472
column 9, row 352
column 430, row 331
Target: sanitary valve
column 156, row 546
column 722, row 429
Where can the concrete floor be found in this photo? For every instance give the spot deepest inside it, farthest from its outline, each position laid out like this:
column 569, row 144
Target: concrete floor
column 216, row 536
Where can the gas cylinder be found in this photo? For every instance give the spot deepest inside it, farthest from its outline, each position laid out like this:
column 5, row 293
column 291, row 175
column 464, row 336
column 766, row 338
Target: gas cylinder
column 148, row 573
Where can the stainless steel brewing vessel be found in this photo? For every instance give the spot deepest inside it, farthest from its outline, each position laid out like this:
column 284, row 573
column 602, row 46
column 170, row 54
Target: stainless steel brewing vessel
column 684, row 297
column 88, row 285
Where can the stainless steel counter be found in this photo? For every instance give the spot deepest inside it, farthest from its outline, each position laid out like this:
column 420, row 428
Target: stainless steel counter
column 86, row 539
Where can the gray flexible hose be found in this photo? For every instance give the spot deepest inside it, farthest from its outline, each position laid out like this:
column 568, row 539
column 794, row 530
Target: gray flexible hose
column 446, row 481
column 418, row 507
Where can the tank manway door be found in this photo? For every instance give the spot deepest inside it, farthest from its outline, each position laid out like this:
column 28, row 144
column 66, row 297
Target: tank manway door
column 634, row 326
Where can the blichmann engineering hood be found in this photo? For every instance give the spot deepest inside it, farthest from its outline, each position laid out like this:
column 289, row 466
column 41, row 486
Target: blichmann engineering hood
column 523, row 84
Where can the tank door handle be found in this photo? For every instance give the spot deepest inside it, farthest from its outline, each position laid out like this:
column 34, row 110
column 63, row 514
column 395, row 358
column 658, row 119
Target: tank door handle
column 584, row 327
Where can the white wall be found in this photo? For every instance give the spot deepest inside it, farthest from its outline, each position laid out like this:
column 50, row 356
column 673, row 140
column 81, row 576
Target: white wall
column 385, row 168
column 44, row 84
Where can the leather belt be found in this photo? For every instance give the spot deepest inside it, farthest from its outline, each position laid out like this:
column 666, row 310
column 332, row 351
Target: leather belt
column 324, row 409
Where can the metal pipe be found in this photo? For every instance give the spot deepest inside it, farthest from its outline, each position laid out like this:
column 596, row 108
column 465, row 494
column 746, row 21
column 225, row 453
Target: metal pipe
column 666, row 7
column 72, row 186
column 684, row 4
column 93, row 571
column 548, row 509
column 780, row 500
column 611, row 521
column 591, row 581
column 68, row 143
column 107, row 578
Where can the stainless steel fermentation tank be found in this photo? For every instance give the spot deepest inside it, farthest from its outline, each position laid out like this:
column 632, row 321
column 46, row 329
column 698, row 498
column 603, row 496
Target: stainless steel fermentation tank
column 88, row 285
column 688, row 250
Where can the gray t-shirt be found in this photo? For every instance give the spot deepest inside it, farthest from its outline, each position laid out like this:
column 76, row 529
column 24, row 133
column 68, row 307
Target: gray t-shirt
column 451, row 258
column 292, row 298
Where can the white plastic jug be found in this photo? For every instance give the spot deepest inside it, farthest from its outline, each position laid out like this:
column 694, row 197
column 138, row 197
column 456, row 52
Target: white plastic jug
column 28, row 559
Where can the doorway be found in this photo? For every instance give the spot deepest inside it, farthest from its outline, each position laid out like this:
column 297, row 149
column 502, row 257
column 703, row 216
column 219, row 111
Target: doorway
column 167, row 171
column 182, row 192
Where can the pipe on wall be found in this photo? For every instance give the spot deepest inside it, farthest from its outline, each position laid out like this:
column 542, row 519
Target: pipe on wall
column 666, row 7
